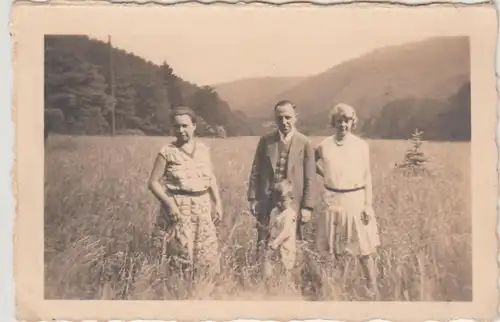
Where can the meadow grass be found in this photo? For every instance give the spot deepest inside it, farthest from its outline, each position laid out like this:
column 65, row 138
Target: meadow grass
column 99, row 215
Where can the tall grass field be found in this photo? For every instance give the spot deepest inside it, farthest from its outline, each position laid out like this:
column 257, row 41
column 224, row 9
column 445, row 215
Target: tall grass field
column 99, row 216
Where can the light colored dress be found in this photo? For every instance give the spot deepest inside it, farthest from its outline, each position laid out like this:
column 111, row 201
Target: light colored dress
column 286, row 251
column 340, row 228
column 192, row 241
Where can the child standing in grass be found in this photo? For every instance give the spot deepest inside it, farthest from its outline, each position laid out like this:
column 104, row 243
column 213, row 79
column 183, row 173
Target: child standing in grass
column 281, row 248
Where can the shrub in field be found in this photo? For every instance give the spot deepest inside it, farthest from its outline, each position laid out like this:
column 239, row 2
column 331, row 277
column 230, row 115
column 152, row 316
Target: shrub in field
column 221, row 132
column 415, row 161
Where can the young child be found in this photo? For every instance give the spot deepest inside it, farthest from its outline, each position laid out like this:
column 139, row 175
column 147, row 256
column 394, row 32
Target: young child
column 281, row 248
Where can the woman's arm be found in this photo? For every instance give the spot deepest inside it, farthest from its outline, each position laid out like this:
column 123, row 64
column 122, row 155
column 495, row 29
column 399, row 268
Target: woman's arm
column 215, row 192
column 368, row 178
column 155, row 187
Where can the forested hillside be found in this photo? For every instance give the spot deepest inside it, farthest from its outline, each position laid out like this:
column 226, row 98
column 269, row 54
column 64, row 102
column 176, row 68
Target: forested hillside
column 395, row 89
column 78, row 95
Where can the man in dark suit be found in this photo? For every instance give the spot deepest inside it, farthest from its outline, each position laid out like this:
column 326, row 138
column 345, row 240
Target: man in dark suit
column 282, row 154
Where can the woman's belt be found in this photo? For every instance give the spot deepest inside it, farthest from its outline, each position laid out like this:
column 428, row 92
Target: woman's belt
column 337, row 190
column 187, row 192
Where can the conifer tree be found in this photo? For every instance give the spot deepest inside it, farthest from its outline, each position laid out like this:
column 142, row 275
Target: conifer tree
column 414, row 158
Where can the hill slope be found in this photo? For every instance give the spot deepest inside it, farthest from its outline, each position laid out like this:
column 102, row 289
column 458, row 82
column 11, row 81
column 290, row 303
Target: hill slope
column 243, row 94
column 426, row 79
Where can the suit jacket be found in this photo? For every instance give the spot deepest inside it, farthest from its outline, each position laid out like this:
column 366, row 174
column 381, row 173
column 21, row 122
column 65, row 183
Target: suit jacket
column 301, row 170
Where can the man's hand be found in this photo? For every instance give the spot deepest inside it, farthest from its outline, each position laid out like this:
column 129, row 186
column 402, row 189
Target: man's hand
column 173, row 214
column 218, row 214
column 367, row 214
column 254, row 207
column 305, row 215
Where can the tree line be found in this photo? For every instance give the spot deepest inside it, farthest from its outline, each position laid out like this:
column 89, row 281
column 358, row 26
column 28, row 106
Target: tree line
column 446, row 119
column 78, row 98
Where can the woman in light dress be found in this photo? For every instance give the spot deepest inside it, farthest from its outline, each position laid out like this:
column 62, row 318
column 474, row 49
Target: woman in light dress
column 183, row 180
column 348, row 224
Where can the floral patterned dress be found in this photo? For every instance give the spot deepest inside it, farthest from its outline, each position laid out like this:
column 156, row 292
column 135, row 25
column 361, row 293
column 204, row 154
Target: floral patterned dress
column 191, row 242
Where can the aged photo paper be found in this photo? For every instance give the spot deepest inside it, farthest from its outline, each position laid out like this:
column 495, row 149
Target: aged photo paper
column 264, row 2
column 227, row 162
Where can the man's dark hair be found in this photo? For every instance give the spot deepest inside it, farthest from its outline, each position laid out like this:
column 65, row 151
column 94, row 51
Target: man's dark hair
column 284, row 102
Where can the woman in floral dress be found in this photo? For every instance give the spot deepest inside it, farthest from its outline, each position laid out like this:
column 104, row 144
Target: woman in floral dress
column 348, row 224
column 183, row 180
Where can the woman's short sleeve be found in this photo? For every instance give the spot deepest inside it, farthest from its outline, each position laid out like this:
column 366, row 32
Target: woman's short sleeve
column 319, row 149
column 208, row 159
column 164, row 152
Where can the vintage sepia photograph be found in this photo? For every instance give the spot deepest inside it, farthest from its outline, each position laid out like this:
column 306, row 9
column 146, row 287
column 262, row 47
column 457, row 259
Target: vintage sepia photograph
column 159, row 183
column 293, row 155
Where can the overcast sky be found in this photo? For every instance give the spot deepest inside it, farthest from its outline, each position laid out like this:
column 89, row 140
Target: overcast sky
column 214, row 44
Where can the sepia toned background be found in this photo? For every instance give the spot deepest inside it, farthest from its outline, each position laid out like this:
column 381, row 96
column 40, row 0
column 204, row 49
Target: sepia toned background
column 67, row 152
column 397, row 87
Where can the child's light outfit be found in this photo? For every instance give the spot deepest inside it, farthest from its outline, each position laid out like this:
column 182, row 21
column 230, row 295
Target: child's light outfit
column 340, row 229
column 282, row 222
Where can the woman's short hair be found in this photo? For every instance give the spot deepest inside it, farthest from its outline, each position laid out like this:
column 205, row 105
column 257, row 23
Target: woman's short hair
column 183, row 110
column 343, row 110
